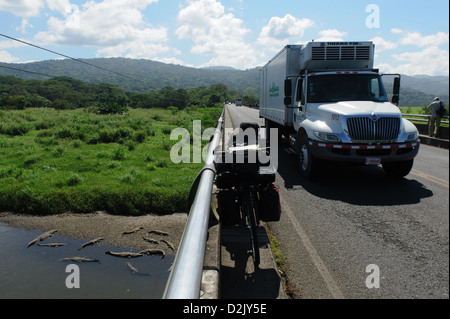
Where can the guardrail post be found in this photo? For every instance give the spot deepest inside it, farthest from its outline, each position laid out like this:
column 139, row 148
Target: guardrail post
column 185, row 278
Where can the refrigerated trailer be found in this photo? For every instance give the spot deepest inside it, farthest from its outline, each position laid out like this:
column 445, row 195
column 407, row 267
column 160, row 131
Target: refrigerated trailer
column 330, row 102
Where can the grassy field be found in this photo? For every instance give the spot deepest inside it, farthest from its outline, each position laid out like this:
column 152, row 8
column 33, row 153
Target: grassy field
column 79, row 161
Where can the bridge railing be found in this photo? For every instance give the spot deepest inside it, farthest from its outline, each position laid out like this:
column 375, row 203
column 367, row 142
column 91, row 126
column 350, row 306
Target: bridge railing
column 185, row 278
column 424, row 119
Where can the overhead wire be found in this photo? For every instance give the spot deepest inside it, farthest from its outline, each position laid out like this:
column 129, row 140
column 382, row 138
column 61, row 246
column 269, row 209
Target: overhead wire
column 65, row 56
column 21, row 70
column 68, row 57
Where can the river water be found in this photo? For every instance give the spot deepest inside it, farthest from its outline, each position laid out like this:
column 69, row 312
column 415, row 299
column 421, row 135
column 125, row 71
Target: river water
column 38, row 272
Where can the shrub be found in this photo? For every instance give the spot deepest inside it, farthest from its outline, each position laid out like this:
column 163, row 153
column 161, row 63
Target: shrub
column 111, row 108
column 118, row 154
column 14, row 130
column 161, row 164
column 73, row 180
column 61, row 105
column 58, row 152
column 140, row 136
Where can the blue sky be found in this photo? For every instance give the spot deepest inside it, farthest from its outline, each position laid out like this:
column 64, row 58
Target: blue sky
column 411, row 37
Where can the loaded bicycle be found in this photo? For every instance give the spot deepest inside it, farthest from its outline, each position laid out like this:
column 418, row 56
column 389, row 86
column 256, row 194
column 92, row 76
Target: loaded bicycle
column 243, row 182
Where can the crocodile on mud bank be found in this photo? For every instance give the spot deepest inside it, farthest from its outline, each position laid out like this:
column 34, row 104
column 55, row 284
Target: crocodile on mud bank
column 124, row 254
column 42, row 237
column 92, row 242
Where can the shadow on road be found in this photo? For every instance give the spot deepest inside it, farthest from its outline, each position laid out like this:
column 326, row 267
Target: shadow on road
column 358, row 185
column 239, row 279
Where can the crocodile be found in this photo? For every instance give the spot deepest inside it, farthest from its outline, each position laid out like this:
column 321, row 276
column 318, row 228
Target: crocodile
column 132, row 231
column 42, row 237
column 153, row 252
column 80, row 259
column 91, row 242
column 152, row 241
column 132, row 268
column 169, row 244
column 51, row 245
column 124, row 254
column 158, row 232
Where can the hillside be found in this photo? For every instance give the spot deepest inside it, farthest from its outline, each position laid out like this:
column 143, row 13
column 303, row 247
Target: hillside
column 420, row 90
column 145, row 75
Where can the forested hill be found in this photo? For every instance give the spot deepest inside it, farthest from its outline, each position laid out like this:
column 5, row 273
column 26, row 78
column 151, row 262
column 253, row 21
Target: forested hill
column 145, row 75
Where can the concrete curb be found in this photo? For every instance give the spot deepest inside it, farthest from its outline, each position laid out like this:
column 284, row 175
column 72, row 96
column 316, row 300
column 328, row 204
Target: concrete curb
column 433, row 141
column 210, row 287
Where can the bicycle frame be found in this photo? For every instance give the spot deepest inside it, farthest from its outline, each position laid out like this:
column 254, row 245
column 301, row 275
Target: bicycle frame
column 248, row 203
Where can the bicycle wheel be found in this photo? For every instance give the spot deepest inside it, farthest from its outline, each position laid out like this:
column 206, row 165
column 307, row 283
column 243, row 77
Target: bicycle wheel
column 252, row 223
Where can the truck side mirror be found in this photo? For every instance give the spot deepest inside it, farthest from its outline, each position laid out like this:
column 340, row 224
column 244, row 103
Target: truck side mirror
column 287, row 92
column 395, row 99
column 287, row 87
column 396, row 91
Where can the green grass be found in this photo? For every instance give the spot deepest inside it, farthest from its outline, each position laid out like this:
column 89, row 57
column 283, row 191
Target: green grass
column 76, row 160
column 421, row 111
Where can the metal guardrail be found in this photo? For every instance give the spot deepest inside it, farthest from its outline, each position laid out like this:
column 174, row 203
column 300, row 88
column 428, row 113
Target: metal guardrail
column 423, row 118
column 185, row 278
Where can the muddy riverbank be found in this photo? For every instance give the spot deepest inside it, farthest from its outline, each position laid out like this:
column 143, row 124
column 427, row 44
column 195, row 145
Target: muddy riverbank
column 101, row 224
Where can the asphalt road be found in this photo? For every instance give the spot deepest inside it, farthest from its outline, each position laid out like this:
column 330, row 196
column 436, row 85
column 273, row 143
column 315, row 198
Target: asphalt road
column 352, row 228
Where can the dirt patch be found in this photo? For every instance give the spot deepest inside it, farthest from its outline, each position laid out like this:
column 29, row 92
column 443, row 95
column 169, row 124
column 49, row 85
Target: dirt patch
column 100, row 224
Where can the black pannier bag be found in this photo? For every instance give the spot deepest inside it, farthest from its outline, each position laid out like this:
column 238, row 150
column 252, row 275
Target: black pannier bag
column 228, row 207
column 269, row 204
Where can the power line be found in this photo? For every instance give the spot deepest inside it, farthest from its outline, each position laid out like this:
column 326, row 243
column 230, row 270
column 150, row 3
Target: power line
column 32, row 72
column 65, row 56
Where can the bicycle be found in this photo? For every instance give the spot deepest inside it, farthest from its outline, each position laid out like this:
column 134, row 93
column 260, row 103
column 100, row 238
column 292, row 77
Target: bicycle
column 244, row 181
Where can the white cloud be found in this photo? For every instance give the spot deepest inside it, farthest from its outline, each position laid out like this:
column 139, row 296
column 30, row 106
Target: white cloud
column 10, row 44
column 431, row 61
column 417, row 39
column 280, row 31
column 6, row 57
column 24, row 25
column 115, row 27
column 22, row 8
column 62, row 6
column 173, row 61
column 396, row 31
column 383, row 45
column 331, row 35
column 215, row 33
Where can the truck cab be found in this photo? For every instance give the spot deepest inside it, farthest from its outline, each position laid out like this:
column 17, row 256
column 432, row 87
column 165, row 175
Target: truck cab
column 335, row 108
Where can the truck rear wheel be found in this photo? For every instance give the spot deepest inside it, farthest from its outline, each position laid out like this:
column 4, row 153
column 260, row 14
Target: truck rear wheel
column 307, row 162
column 398, row 169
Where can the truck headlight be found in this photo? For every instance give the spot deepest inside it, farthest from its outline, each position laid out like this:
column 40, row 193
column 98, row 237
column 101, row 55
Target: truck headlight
column 412, row 136
column 331, row 137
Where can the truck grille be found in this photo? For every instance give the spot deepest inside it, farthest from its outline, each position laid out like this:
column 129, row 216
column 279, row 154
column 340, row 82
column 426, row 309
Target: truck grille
column 371, row 129
column 344, row 53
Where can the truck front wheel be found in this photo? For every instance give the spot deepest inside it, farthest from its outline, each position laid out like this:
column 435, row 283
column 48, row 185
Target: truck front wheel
column 398, row 169
column 306, row 160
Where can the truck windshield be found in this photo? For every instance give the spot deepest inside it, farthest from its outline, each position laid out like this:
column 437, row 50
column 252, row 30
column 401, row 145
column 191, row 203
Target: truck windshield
column 346, row 87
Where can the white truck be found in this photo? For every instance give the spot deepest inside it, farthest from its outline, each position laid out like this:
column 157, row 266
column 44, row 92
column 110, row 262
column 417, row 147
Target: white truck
column 331, row 104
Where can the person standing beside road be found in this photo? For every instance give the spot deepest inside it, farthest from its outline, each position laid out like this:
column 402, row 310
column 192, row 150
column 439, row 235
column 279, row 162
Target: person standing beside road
column 434, row 118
